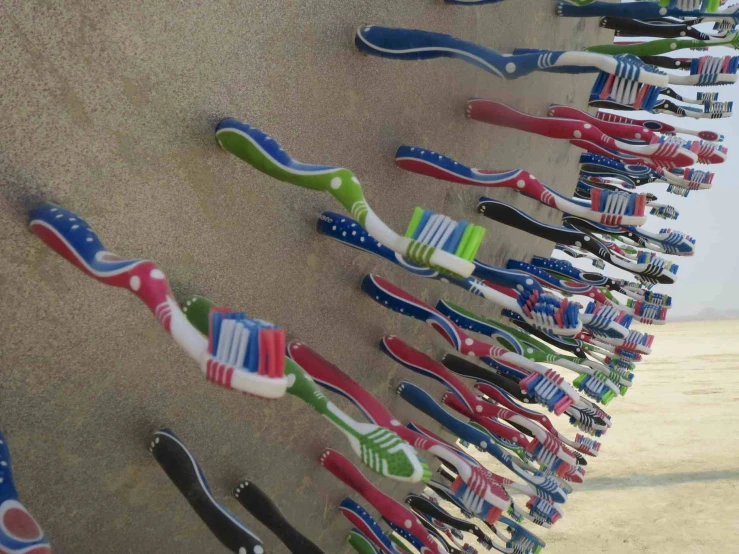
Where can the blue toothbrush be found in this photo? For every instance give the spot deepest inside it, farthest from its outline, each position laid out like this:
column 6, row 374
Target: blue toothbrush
column 19, row 532
column 411, row 44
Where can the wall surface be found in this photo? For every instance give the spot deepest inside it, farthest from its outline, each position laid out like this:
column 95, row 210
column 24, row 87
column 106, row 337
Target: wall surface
column 108, row 108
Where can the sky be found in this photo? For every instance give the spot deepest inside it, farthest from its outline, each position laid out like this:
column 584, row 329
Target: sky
column 707, row 279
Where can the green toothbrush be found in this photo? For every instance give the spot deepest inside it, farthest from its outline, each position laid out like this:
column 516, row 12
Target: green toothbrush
column 663, row 46
column 380, row 449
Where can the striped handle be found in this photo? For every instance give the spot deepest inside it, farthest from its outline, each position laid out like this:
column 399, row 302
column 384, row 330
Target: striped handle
column 628, row 27
column 180, row 466
column 501, row 379
column 547, row 279
column 263, row 508
column 637, row 10
column 423, row 505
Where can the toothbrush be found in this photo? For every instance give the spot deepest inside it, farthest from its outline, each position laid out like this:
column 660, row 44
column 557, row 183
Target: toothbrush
column 663, row 211
column 582, row 415
column 617, row 94
column 183, row 470
column 700, row 74
column 610, row 207
column 664, row 46
column 366, row 528
column 538, row 482
column 593, row 376
column 431, row 240
column 663, row 28
column 520, row 541
column 423, row 505
column 605, row 167
column 383, row 292
column 705, row 152
column 361, row 543
column 485, row 497
column 647, row 268
column 445, row 493
column 447, row 542
column 667, row 241
column 659, row 126
column 19, row 531
column 400, row 518
column 410, row 44
column 684, row 64
column 546, row 448
column 528, row 302
column 641, row 312
column 241, row 354
column 576, row 253
column 651, row 10
column 541, row 512
column 619, row 130
column 263, row 508
column 663, row 153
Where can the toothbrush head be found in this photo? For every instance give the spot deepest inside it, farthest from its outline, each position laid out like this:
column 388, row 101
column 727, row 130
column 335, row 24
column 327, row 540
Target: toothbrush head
column 606, row 321
column 429, row 231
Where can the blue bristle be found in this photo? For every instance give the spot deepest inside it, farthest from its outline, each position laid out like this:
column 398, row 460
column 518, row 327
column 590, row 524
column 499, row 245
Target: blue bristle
column 422, row 224
column 453, row 241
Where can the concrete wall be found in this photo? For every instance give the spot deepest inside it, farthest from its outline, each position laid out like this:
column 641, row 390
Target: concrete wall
column 108, row 108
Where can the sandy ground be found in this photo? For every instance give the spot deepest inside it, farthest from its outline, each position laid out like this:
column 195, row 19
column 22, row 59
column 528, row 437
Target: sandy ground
column 108, row 109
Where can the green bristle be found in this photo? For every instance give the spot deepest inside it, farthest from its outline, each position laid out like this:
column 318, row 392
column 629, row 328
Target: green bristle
column 623, row 388
column 415, row 220
column 471, row 242
column 580, row 379
column 607, row 397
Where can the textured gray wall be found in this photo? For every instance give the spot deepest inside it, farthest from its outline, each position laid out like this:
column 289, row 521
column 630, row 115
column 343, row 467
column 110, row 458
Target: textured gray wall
column 108, row 109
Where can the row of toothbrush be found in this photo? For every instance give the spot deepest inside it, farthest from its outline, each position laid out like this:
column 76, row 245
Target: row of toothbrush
column 496, row 373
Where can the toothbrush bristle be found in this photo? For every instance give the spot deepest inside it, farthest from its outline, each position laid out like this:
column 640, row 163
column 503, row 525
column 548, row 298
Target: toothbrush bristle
column 548, row 311
column 237, row 343
column 613, row 205
column 434, row 231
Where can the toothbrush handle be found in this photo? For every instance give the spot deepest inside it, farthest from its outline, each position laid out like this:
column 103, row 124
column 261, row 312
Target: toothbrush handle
column 465, row 398
column 492, row 392
column 497, row 113
column 628, row 27
column 478, row 373
column 651, row 48
column 421, row 400
column 505, row 277
column 624, row 131
column 361, row 543
column 641, row 10
column 181, row 467
column 330, row 376
column 72, row 238
column 304, row 387
column 393, row 511
column 396, row 299
column 423, row 505
column 487, row 411
column 261, row 506
column 411, row 44
column 367, row 526
column 348, row 231
column 19, row 531
column 504, row 213
column 433, row 164
column 422, row 364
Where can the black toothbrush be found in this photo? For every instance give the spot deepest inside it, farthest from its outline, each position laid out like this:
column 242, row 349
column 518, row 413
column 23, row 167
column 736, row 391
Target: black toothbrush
column 183, row 470
column 262, row 507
